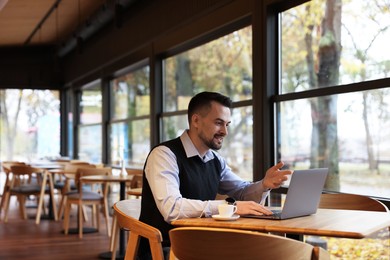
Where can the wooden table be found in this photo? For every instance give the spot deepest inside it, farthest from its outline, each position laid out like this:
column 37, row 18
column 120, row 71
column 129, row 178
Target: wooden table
column 326, row 222
column 122, row 195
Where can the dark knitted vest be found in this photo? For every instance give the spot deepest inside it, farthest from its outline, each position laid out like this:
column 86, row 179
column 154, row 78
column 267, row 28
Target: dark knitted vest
column 198, row 180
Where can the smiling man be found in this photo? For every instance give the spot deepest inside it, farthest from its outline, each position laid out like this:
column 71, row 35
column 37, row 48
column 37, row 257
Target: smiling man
column 183, row 176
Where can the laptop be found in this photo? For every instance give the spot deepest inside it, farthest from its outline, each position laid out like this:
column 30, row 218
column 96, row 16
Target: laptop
column 303, row 195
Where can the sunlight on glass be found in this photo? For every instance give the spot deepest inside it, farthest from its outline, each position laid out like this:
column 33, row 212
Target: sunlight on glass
column 363, row 152
column 130, row 142
column 130, row 94
column 90, row 144
column 91, row 105
column 324, row 45
column 223, row 65
column 29, row 124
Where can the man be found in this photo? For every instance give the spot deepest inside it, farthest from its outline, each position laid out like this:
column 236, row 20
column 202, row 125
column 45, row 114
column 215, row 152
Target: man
column 183, row 176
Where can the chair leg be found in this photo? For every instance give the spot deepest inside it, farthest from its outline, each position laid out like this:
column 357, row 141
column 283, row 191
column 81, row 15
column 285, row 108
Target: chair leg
column 85, row 214
column 62, row 206
column 6, row 206
column 115, row 238
column 22, row 208
column 94, row 216
column 113, row 233
column 107, row 217
column 4, row 194
column 39, row 210
column 66, row 217
column 80, row 220
column 97, row 219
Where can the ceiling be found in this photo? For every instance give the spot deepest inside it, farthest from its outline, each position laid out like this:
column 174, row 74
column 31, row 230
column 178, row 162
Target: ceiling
column 61, row 23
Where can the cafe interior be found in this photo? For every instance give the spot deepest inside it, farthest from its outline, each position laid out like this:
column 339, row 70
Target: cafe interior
column 89, row 87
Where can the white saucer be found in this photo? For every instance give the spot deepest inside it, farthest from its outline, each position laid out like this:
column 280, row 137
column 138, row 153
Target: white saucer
column 218, row 217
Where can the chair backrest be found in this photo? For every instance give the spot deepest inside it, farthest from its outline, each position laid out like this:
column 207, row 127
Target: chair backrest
column 139, row 229
column 70, row 170
column 351, row 202
column 23, row 170
column 78, row 162
column 202, row 243
column 136, row 181
column 7, row 165
column 89, row 171
column 20, row 171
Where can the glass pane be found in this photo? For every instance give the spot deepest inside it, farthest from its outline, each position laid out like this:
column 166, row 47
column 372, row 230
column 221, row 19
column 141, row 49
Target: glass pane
column 324, row 45
column 173, row 126
column 90, row 143
column 70, row 105
column 130, row 94
column 356, row 146
column 29, row 124
column 130, row 141
column 91, row 106
column 237, row 148
column 223, row 65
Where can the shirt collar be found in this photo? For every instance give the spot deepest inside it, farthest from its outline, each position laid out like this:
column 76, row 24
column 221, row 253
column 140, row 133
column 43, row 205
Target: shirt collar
column 191, row 150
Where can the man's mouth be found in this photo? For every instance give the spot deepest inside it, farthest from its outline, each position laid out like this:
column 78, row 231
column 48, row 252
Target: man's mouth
column 219, row 139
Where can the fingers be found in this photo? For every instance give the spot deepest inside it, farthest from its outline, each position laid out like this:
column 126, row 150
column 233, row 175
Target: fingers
column 277, row 166
column 251, row 207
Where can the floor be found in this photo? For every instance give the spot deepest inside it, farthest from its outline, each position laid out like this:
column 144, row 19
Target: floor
column 23, row 239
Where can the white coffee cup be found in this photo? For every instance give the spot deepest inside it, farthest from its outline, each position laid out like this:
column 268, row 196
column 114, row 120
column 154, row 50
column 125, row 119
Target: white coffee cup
column 226, row 210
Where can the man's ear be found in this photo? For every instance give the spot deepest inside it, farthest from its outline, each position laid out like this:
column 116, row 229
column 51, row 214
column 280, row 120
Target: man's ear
column 195, row 120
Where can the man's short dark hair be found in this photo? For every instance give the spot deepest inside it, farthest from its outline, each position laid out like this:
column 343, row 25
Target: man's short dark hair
column 204, row 99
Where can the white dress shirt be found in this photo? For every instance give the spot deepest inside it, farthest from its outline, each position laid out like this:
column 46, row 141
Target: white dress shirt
column 162, row 173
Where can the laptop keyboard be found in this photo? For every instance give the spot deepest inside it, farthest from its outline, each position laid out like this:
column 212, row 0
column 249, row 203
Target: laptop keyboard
column 276, row 213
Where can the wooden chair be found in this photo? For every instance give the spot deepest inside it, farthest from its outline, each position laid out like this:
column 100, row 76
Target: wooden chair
column 218, row 243
column 22, row 187
column 6, row 165
column 351, row 202
column 347, row 202
column 127, row 221
column 134, row 189
column 66, row 182
column 87, row 197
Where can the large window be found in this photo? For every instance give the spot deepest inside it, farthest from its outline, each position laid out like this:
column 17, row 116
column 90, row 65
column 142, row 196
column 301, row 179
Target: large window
column 223, row 65
column 29, row 124
column 90, row 130
column 130, row 116
column 333, row 107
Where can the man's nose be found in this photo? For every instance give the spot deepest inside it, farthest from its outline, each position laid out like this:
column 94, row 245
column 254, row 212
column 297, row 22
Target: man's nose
column 224, row 130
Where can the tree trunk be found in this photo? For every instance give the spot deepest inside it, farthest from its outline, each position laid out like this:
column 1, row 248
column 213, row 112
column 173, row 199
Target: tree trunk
column 324, row 143
column 10, row 129
column 372, row 165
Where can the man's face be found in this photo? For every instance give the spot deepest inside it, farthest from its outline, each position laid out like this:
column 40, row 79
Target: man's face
column 212, row 127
